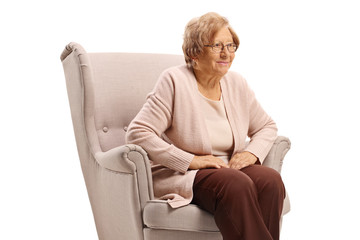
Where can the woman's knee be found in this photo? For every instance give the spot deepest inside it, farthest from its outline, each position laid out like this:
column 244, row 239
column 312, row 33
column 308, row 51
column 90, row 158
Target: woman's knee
column 234, row 182
column 225, row 186
column 273, row 181
column 265, row 178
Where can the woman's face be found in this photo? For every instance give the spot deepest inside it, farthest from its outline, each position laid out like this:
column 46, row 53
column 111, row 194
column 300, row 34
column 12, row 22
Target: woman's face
column 215, row 64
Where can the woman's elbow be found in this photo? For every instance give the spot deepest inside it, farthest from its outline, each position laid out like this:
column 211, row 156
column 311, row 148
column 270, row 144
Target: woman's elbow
column 130, row 135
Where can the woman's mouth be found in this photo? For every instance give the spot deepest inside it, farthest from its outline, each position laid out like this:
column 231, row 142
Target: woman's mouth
column 223, row 63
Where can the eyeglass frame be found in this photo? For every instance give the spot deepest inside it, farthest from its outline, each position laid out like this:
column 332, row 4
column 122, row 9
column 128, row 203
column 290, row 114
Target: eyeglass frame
column 223, row 47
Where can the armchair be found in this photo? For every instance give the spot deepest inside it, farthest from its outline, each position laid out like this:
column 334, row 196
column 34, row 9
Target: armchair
column 105, row 91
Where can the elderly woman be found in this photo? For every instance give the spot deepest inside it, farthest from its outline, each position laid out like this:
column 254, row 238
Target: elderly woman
column 194, row 126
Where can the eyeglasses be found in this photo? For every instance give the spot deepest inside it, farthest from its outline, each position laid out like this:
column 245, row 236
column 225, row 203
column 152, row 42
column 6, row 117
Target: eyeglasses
column 219, row 47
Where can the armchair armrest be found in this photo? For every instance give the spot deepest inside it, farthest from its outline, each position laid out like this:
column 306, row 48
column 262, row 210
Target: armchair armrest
column 130, row 159
column 275, row 157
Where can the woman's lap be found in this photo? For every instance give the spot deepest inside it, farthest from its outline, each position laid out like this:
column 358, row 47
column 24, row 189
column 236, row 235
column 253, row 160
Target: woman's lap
column 250, row 198
column 254, row 176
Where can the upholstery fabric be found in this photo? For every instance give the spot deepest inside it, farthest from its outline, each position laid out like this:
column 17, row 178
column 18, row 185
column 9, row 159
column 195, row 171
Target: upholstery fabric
column 122, row 82
column 275, row 159
column 105, row 92
column 159, row 215
column 156, row 234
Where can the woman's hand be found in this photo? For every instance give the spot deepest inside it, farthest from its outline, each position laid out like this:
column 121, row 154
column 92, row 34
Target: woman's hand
column 241, row 160
column 208, row 161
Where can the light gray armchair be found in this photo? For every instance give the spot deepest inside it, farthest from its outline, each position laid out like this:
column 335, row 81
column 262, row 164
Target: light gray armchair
column 106, row 90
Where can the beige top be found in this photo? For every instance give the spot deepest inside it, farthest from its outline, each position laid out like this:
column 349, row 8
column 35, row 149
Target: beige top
column 218, row 127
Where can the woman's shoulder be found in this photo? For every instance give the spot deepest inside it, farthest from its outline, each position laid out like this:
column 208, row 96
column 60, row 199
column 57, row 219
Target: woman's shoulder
column 179, row 71
column 176, row 77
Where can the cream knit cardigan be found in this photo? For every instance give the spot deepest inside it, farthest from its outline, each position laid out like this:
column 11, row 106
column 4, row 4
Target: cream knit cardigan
column 171, row 128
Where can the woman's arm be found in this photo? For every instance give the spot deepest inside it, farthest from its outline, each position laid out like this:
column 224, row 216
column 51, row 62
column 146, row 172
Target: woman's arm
column 152, row 121
column 146, row 130
column 262, row 129
column 262, row 132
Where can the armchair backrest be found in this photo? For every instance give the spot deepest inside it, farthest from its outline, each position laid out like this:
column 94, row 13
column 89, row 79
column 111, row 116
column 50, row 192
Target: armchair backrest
column 119, row 83
column 122, row 82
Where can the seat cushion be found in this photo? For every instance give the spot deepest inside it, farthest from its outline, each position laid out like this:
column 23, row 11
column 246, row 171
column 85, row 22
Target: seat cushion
column 159, row 215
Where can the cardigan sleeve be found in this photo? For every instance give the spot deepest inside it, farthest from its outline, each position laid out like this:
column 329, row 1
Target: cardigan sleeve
column 262, row 129
column 151, row 122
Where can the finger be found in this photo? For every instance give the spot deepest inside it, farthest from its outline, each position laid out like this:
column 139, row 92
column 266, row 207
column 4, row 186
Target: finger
column 220, row 162
column 241, row 166
column 238, row 165
column 212, row 165
column 224, row 165
column 231, row 164
column 235, row 166
column 244, row 165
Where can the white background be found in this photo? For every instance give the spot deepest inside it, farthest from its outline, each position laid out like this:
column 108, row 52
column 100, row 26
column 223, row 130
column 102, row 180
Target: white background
column 302, row 59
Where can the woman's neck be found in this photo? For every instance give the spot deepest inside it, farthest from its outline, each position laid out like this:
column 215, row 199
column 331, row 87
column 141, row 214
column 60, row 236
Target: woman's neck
column 209, row 86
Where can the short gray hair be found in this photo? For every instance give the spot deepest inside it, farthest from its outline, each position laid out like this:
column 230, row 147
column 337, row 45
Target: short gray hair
column 201, row 31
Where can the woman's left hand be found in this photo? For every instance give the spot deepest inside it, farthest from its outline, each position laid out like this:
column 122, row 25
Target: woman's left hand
column 241, row 160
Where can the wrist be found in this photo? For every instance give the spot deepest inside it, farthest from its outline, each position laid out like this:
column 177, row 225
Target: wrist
column 253, row 155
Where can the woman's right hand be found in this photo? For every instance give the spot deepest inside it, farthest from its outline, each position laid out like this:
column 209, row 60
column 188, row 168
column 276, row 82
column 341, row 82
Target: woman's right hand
column 208, row 161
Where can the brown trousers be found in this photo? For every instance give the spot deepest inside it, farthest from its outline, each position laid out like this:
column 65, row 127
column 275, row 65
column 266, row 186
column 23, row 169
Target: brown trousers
column 247, row 203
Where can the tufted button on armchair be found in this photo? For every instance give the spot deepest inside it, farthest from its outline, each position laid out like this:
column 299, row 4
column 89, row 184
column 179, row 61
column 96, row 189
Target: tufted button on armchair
column 106, row 90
